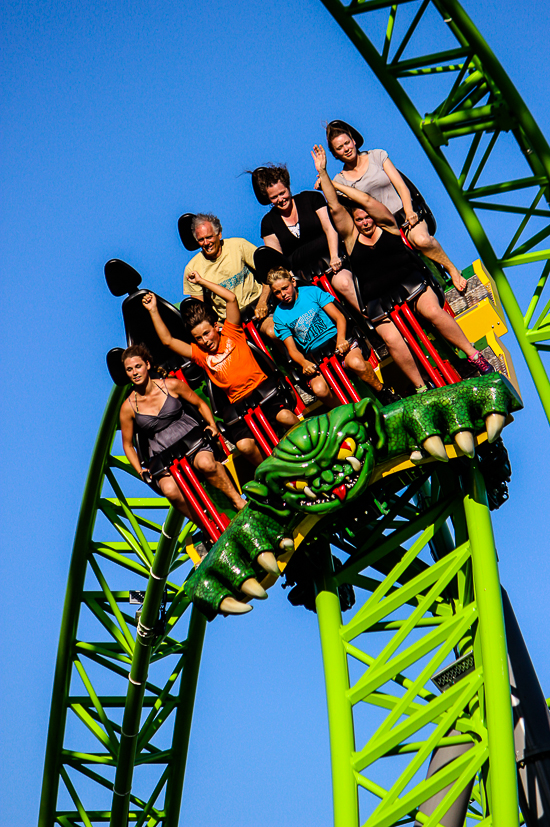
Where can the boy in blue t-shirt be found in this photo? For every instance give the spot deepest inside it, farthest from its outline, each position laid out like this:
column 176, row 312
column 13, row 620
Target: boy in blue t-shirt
column 307, row 321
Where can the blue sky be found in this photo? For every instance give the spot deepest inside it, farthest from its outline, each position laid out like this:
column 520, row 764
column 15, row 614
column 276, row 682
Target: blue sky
column 118, row 117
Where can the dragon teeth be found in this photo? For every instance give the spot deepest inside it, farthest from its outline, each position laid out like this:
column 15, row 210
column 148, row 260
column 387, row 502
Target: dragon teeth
column 355, row 464
column 309, row 493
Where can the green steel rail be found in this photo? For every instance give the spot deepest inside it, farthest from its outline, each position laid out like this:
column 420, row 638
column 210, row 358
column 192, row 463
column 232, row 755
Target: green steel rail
column 418, row 608
column 102, row 764
column 479, row 130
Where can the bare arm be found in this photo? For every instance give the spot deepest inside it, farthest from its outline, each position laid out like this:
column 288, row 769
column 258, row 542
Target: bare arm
column 342, row 218
column 273, row 242
column 342, row 344
column 232, row 312
column 262, row 310
column 309, row 368
column 332, row 239
column 127, row 433
column 380, row 214
column 149, row 301
column 402, row 191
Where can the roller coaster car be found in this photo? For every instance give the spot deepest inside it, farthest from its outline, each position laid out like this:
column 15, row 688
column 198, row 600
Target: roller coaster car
column 250, row 410
column 122, row 278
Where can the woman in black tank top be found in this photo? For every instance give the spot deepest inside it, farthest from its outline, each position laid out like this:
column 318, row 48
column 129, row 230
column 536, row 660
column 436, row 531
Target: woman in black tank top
column 386, row 272
column 156, row 409
column 299, row 227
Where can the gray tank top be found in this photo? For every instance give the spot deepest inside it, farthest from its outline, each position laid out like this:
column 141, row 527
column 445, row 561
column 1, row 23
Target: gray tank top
column 375, row 182
column 170, row 424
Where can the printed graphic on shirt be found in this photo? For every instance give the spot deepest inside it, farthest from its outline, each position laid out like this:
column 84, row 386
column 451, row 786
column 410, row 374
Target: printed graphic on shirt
column 219, row 362
column 310, row 327
column 235, row 280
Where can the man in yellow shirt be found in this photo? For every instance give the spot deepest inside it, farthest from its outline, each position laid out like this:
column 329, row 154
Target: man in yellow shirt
column 229, row 263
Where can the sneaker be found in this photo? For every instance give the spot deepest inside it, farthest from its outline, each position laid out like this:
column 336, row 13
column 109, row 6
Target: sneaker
column 421, row 389
column 481, row 364
column 387, row 395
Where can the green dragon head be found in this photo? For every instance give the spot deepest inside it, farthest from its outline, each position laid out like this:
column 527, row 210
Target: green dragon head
column 322, row 462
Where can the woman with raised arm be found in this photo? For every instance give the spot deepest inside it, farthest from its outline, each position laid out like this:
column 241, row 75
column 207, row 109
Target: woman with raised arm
column 382, row 262
column 373, row 173
column 299, row 227
column 155, row 408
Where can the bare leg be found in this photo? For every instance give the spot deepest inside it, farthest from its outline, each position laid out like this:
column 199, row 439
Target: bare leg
column 267, row 328
column 399, row 351
column 364, row 370
column 287, row 418
column 217, row 476
column 343, row 284
column 173, row 494
column 323, row 392
column 250, row 450
column 427, row 244
column 428, row 306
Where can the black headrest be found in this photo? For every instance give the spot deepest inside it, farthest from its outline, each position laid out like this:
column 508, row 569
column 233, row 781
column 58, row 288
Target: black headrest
column 184, row 228
column 116, row 368
column 357, row 137
column 260, row 196
column 266, row 259
column 121, row 278
column 140, row 329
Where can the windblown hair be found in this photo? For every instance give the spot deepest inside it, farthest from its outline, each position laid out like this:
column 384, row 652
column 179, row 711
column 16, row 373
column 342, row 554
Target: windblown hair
column 197, row 313
column 202, row 218
column 333, row 132
column 272, row 174
column 278, row 273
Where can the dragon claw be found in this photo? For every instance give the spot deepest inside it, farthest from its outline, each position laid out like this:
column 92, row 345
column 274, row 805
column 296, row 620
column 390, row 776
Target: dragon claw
column 268, row 562
column 435, row 447
column 230, row 606
column 494, row 423
column 252, row 588
column 465, row 441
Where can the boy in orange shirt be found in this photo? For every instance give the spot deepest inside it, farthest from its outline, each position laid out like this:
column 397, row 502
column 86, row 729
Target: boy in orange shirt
column 223, row 352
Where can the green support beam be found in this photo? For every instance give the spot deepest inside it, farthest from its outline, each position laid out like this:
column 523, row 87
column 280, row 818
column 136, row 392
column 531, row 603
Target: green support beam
column 481, row 108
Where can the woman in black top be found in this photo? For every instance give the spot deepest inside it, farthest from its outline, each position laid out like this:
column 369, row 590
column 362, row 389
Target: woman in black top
column 154, row 407
column 299, row 227
column 383, row 265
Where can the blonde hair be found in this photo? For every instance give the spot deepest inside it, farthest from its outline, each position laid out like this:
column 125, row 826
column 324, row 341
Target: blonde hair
column 278, row 273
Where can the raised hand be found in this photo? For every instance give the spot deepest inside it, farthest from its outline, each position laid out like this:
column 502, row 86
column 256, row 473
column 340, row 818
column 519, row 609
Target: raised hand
column 149, row 301
column 194, row 277
column 319, row 158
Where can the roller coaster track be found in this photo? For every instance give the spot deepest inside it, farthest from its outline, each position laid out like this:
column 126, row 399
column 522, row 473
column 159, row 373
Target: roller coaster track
column 477, row 128
column 423, row 563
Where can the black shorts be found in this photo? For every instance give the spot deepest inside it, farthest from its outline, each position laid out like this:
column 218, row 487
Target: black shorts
column 233, row 415
column 328, row 348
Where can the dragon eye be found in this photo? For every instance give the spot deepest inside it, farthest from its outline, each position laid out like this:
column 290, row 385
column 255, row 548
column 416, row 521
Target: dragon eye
column 296, row 485
column 347, row 449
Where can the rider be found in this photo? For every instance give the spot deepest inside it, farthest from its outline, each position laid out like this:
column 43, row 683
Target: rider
column 230, row 263
column 154, row 408
column 223, row 352
column 310, row 325
column 372, row 172
column 299, row 227
column 382, row 262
